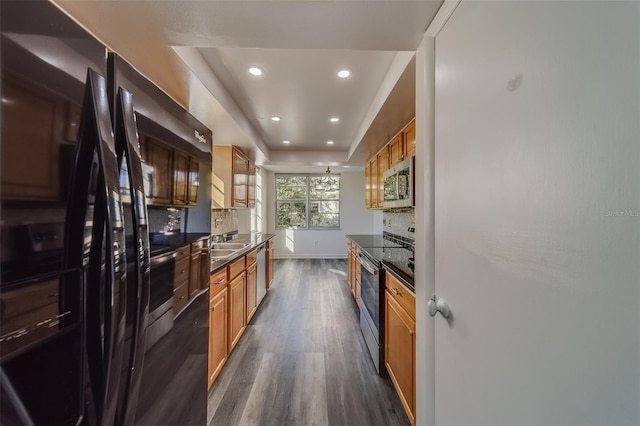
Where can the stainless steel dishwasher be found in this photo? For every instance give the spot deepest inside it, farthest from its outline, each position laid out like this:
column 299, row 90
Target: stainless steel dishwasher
column 262, row 282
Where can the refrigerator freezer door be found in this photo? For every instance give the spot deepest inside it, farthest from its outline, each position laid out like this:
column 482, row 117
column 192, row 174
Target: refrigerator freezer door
column 105, row 289
column 128, row 150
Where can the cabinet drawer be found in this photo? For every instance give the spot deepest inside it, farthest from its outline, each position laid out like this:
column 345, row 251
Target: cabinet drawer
column 197, row 246
column 182, row 252
column 180, row 298
column 181, row 272
column 252, row 257
column 235, row 268
column 217, row 282
column 401, row 294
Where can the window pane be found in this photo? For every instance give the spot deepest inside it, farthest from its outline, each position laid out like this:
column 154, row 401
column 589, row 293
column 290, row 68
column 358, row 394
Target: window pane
column 324, row 220
column 324, row 195
column 291, row 213
column 324, row 207
column 325, row 187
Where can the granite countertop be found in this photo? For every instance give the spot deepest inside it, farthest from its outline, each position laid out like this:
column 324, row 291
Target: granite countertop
column 254, row 240
column 394, row 257
column 164, row 243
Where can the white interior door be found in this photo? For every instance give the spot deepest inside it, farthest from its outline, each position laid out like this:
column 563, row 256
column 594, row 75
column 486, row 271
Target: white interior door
column 537, row 227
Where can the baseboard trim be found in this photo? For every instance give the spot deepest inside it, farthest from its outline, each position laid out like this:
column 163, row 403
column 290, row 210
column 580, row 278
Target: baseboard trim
column 311, row 256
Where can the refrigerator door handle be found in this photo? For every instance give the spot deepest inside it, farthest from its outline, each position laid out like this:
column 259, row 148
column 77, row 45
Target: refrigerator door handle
column 128, row 150
column 105, row 288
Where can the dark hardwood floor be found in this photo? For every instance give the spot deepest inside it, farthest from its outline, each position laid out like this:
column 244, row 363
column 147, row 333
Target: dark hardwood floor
column 302, row 359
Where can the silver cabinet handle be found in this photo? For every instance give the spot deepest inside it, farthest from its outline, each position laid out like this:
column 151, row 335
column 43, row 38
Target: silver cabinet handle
column 438, row 305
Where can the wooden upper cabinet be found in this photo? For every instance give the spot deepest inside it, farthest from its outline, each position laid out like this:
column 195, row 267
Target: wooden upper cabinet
column 383, row 166
column 396, row 149
column 160, row 157
column 240, row 180
column 373, row 164
column 35, row 120
column 180, row 178
column 233, row 179
column 193, row 182
column 402, row 146
column 251, row 185
column 410, row 139
column 367, row 185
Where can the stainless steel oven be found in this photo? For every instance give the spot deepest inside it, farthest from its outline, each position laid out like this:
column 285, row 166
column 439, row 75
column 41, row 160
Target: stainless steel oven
column 372, row 308
column 160, row 297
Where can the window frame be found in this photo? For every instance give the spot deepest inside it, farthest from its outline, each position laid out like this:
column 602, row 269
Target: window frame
column 308, row 201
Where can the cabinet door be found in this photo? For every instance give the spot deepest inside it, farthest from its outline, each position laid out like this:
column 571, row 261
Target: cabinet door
column 180, row 173
column 251, row 186
column 367, row 185
column 237, row 317
column 217, row 335
column 193, row 182
column 205, row 268
column 240, row 170
column 399, row 352
column 410, row 139
column 160, row 158
column 194, row 275
column 383, row 166
column 252, row 291
column 373, row 179
column 32, row 121
column 396, row 150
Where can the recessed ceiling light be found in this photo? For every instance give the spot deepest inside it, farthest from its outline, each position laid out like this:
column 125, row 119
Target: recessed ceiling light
column 286, row 142
column 255, row 71
column 334, row 119
column 329, row 142
column 344, row 73
column 275, row 118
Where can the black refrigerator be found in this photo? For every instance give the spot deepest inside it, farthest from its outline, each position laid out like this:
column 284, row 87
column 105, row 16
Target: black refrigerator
column 75, row 274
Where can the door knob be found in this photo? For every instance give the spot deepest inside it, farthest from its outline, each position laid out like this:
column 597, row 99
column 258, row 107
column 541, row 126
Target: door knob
column 438, row 305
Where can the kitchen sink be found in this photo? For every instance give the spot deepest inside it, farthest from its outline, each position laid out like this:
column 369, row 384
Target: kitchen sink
column 229, row 246
column 221, row 253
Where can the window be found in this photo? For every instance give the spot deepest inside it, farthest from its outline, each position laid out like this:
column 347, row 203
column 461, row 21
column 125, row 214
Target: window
column 307, row 201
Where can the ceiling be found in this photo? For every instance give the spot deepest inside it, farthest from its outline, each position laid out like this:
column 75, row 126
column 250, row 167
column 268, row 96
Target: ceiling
column 199, row 53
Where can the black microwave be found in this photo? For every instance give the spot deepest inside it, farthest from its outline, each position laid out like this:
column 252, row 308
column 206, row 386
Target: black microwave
column 398, row 185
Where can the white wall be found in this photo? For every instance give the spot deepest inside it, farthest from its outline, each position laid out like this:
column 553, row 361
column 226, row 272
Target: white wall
column 537, row 214
column 354, row 219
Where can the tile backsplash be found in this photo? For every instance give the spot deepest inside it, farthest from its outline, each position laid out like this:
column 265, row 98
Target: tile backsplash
column 224, row 221
column 165, row 219
column 398, row 222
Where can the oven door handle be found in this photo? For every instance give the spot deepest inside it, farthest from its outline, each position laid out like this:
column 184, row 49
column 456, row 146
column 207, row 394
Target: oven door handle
column 367, row 265
column 163, row 258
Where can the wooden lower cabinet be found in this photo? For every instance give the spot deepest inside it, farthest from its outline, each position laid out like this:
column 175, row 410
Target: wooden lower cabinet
column 237, row 316
column 194, row 275
column 217, row 334
column 252, row 291
column 400, row 352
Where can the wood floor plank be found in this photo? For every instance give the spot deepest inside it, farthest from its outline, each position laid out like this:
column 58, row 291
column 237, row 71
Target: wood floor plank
column 302, row 359
column 309, row 397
